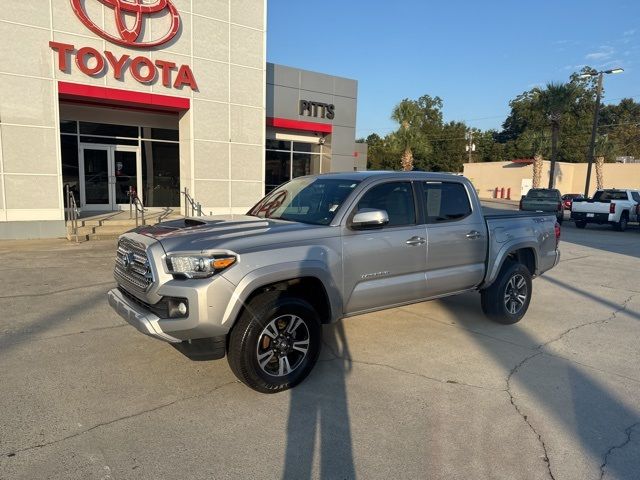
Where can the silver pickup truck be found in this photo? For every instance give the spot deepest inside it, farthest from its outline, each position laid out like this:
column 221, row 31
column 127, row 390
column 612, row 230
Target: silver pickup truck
column 258, row 287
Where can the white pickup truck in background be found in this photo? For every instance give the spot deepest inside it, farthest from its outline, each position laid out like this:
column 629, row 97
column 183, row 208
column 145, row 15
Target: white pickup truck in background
column 614, row 206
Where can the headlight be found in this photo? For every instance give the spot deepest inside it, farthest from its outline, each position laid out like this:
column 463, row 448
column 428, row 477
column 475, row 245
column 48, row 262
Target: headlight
column 198, row 266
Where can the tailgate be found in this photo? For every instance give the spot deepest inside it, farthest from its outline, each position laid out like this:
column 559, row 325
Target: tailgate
column 542, row 205
column 590, row 207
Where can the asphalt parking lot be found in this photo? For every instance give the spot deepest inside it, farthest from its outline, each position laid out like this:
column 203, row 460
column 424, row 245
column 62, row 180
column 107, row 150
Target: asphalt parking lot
column 432, row 390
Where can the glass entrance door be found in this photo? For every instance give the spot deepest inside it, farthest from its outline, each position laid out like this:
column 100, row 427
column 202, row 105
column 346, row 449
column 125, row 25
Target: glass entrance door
column 106, row 174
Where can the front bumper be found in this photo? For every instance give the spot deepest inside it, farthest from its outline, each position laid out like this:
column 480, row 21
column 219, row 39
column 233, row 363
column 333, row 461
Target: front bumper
column 144, row 321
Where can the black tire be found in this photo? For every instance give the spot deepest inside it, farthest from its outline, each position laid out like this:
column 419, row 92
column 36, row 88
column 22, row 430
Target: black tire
column 621, row 226
column 581, row 223
column 499, row 299
column 249, row 340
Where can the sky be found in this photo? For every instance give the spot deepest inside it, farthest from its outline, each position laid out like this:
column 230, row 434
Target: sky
column 474, row 55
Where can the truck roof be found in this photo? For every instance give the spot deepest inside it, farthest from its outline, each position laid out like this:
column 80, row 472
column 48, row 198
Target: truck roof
column 363, row 175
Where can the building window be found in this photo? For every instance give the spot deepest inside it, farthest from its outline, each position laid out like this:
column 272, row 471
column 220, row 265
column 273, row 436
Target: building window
column 160, row 174
column 286, row 160
column 158, row 150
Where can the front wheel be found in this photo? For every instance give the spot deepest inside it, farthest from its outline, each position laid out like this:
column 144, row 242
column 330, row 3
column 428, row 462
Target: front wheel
column 507, row 299
column 275, row 343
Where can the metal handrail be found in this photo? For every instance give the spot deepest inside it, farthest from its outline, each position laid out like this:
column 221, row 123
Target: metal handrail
column 196, row 208
column 135, row 204
column 71, row 212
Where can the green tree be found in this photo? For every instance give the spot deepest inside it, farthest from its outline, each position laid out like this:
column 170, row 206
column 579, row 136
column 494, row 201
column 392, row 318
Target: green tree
column 381, row 155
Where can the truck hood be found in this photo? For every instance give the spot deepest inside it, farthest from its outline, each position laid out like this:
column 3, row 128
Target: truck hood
column 238, row 233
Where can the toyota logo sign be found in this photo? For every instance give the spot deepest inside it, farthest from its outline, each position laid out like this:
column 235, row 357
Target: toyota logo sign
column 135, row 10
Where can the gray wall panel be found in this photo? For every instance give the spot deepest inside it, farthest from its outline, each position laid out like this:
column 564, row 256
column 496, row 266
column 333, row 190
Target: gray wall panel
column 345, row 87
column 343, row 140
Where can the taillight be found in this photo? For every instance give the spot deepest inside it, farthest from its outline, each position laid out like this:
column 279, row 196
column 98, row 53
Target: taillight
column 612, row 208
column 557, row 232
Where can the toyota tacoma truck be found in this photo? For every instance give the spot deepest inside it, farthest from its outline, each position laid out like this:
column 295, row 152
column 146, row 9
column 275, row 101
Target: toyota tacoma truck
column 258, row 287
column 543, row 200
column 616, row 207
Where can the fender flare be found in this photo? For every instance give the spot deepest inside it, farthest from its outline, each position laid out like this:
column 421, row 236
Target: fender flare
column 502, row 255
column 279, row 273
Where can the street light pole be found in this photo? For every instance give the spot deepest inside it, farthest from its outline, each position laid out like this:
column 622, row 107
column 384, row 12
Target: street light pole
column 594, row 129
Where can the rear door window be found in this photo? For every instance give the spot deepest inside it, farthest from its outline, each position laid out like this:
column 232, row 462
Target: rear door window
column 446, row 202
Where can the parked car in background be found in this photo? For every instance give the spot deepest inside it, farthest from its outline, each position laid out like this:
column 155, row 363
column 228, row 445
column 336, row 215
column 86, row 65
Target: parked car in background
column 568, row 198
column 258, row 287
column 617, row 207
column 546, row 200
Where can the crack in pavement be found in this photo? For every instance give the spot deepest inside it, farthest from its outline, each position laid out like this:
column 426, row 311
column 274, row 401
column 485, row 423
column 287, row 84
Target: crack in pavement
column 620, row 289
column 81, row 332
column 524, row 417
column 573, row 258
column 628, row 431
column 55, row 292
column 613, row 315
column 539, row 352
column 13, row 453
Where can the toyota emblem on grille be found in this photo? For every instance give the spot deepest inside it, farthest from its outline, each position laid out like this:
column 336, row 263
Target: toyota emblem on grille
column 127, row 260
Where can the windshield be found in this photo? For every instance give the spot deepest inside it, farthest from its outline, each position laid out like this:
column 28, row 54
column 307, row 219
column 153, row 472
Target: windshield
column 307, row 199
column 543, row 194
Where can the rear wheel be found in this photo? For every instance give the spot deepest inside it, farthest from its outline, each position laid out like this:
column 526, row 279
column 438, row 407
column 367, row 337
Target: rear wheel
column 507, row 299
column 621, row 226
column 275, row 343
column 581, row 223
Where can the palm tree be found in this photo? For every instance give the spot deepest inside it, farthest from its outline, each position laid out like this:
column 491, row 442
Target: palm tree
column 604, row 148
column 409, row 138
column 554, row 101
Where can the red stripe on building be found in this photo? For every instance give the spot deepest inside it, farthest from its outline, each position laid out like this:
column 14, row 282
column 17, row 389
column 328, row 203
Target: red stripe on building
column 299, row 125
column 123, row 98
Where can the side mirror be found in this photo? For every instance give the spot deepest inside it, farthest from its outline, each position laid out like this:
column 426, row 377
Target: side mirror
column 369, row 218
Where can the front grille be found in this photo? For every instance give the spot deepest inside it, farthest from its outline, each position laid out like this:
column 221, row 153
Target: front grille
column 132, row 269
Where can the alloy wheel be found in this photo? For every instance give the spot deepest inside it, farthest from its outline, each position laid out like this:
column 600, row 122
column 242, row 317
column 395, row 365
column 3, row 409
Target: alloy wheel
column 283, row 345
column 515, row 295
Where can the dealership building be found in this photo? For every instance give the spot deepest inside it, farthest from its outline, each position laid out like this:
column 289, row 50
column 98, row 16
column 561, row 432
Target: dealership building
column 102, row 97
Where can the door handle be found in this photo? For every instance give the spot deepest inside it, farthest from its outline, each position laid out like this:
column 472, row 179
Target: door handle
column 472, row 235
column 413, row 241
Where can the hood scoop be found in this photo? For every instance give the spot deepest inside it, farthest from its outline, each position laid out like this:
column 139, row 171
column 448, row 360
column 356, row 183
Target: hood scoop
column 192, row 222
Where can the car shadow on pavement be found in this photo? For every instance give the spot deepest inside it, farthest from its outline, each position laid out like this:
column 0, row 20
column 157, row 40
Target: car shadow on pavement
column 603, row 237
column 35, row 331
column 318, row 408
column 590, row 296
column 576, row 403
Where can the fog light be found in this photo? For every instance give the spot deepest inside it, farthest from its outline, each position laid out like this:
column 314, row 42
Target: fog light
column 177, row 307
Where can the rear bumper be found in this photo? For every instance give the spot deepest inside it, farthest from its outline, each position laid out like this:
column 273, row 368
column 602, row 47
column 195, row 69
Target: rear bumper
column 596, row 218
column 144, row 321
